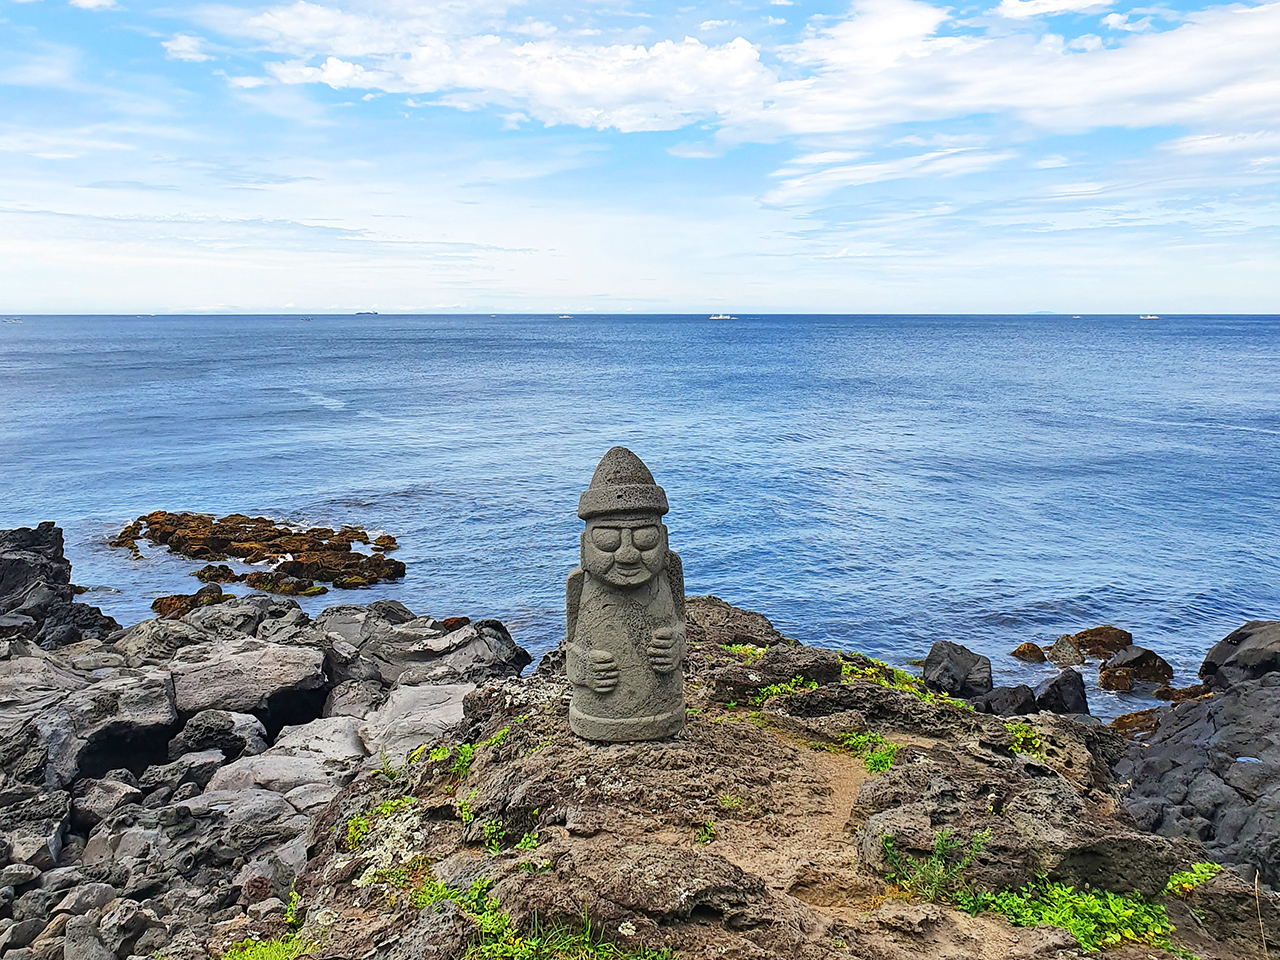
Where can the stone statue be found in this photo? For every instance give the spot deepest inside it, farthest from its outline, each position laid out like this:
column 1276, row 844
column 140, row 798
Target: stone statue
column 625, row 637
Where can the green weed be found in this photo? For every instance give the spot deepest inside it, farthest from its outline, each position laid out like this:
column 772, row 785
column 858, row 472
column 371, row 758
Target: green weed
column 357, row 829
column 749, row 653
column 793, row 685
column 1025, row 739
column 940, row 875
column 1181, row 884
column 1097, row 919
column 462, row 762
column 881, row 674
column 494, row 834
column 293, row 914
column 729, row 802
column 282, row 948
column 528, row 842
column 501, row 939
column 707, row 832
column 439, row 753
column 497, row 739
column 876, row 752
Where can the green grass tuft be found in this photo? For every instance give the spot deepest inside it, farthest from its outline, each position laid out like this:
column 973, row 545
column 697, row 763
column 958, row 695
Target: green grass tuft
column 793, row 685
column 282, row 948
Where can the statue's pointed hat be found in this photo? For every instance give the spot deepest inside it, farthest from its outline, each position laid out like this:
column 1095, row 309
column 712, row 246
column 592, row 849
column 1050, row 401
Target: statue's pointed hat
column 622, row 484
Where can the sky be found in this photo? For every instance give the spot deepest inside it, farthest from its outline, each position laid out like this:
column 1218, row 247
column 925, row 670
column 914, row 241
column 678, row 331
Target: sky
column 904, row 156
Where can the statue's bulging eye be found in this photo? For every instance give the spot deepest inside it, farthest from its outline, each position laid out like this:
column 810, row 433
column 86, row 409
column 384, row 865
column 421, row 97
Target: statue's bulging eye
column 645, row 538
column 608, row 539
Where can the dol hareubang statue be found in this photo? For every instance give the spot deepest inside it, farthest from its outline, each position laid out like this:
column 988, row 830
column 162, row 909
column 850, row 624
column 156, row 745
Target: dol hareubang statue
column 625, row 638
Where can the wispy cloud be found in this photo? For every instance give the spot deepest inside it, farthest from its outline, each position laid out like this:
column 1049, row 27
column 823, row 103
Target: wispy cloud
column 185, row 47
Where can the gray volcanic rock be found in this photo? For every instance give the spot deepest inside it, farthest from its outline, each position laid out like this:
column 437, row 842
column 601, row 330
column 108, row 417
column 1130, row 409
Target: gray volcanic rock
column 1211, row 771
column 100, row 726
column 957, row 670
column 235, row 734
column 243, row 675
column 1064, row 693
column 36, row 596
column 413, row 716
column 98, row 798
column 364, row 644
column 1246, row 653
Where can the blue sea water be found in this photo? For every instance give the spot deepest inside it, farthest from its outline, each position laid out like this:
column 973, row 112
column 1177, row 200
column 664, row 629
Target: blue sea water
column 874, row 483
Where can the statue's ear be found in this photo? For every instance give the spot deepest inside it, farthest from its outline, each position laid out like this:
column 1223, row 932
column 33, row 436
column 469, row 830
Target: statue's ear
column 675, row 577
column 572, row 600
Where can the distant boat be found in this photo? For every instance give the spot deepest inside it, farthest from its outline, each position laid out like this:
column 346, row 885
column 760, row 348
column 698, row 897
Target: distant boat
column 721, row 316
column 566, row 316
column 366, row 313
column 1148, row 316
column 1076, row 317
column 306, row 319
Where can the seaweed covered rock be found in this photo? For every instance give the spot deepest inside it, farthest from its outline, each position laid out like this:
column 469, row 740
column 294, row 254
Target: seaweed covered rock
column 301, row 557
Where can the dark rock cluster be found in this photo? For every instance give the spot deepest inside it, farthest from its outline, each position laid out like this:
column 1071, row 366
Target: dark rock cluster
column 1210, row 767
column 159, row 780
column 37, row 602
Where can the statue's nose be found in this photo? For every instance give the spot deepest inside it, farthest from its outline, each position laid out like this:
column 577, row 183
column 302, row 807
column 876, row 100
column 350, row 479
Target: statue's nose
column 627, row 552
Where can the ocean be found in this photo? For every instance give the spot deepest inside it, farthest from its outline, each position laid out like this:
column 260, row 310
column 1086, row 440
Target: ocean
column 874, row 483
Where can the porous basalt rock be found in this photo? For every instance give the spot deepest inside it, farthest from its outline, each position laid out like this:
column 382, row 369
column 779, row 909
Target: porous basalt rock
column 754, row 832
column 1142, row 665
column 301, row 556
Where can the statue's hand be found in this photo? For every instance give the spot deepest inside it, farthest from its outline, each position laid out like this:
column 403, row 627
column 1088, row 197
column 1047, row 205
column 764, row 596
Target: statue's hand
column 604, row 671
column 663, row 655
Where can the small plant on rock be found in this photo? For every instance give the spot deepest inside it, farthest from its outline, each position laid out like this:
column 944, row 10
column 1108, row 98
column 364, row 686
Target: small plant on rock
column 749, row 653
column 528, row 842
column 357, row 829
column 494, row 834
column 794, row 685
column 939, row 876
column 282, row 948
column 707, row 832
column 1098, row 919
column 1025, row 739
column 1181, row 884
column 876, row 752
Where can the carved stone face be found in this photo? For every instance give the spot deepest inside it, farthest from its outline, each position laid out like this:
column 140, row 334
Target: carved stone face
column 624, row 552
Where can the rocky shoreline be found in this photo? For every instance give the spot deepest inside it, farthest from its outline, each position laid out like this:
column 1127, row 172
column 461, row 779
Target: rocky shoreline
column 373, row 783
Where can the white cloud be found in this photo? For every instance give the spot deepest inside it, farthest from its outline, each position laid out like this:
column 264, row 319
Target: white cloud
column 712, row 24
column 1021, row 9
column 940, row 163
column 886, row 63
column 1120, row 21
column 94, row 4
column 774, row 21
column 184, row 47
